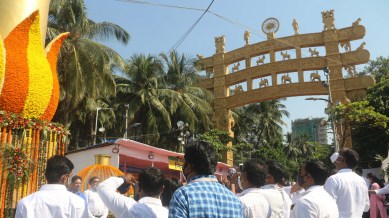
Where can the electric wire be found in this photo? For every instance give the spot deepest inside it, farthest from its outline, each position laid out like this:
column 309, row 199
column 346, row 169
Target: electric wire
column 244, row 27
column 178, row 43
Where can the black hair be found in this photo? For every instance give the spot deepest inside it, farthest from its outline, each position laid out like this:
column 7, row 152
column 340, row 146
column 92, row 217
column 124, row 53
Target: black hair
column 170, row 186
column 255, row 172
column 350, row 156
column 57, row 166
column 375, row 179
column 74, row 178
column 276, row 170
column 151, row 181
column 318, row 171
column 202, row 156
column 358, row 171
column 92, row 179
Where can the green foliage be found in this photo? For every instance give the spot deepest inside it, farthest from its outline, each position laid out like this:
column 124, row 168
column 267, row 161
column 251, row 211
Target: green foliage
column 276, row 152
column 242, row 152
column 379, row 68
column 218, row 139
column 370, row 133
column 259, row 123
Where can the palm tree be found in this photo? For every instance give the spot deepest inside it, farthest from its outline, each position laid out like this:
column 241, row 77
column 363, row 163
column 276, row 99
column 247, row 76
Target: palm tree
column 260, row 123
column 193, row 103
column 84, row 66
column 142, row 88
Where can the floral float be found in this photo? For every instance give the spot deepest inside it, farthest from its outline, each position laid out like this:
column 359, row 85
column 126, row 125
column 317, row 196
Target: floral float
column 29, row 95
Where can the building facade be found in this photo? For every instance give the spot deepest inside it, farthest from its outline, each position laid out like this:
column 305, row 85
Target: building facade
column 314, row 128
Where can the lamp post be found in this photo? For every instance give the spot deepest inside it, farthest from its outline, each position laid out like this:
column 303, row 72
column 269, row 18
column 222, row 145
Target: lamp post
column 182, row 138
column 333, row 126
column 126, row 125
column 97, row 117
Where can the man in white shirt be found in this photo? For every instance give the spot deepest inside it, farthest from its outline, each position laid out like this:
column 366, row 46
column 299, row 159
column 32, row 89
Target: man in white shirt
column 315, row 202
column 346, row 187
column 250, row 180
column 150, row 188
column 53, row 199
column 278, row 199
column 96, row 207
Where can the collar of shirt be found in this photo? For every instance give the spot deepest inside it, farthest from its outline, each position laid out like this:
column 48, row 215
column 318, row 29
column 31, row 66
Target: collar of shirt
column 249, row 190
column 312, row 188
column 52, row 187
column 150, row 200
column 345, row 170
column 269, row 186
column 202, row 178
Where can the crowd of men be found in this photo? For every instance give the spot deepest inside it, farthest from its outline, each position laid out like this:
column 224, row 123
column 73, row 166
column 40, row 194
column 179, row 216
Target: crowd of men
column 256, row 190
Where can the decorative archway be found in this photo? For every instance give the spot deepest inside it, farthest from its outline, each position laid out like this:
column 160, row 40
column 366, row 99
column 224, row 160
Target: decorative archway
column 220, row 79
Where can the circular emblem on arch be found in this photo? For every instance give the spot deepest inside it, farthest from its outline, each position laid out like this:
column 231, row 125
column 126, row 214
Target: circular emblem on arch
column 270, row 25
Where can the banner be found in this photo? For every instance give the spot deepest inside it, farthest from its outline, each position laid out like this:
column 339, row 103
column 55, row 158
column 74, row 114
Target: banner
column 175, row 163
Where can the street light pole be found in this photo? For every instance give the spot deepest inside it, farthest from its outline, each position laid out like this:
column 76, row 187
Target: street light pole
column 97, row 117
column 126, row 126
column 331, row 119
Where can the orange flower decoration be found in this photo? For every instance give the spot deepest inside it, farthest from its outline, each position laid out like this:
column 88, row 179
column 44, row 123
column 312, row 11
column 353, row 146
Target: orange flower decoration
column 99, row 170
column 30, row 83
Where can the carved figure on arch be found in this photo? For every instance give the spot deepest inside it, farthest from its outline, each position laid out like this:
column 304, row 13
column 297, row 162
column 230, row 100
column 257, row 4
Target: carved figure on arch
column 200, row 57
column 230, row 120
column 346, row 45
column 247, row 37
column 285, row 55
column 286, row 78
column 236, row 67
column 261, row 60
column 295, row 27
column 209, row 72
column 271, row 35
column 263, row 83
column 315, row 76
column 350, row 70
column 328, row 19
column 238, row 89
column 314, row 52
column 362, row 46
column 220, row 43
column 356, row 23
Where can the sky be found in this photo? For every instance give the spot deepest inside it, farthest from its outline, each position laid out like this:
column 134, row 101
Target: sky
column 156, row 29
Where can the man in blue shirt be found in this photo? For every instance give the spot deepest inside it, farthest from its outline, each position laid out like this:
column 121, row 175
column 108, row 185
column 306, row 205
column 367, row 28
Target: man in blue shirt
column 75, row 187
column 203, row 196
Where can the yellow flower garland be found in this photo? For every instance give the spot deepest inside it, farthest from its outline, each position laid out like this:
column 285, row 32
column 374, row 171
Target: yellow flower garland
column 31, row 85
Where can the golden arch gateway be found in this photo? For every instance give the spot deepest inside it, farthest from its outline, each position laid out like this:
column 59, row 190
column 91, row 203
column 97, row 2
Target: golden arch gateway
column 275, row 78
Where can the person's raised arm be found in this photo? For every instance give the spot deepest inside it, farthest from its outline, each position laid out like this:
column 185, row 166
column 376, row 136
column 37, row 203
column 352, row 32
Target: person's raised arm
column 118, row 204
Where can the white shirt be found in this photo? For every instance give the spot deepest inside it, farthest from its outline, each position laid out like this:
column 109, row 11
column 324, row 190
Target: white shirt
column 287, row 201
column 254, row 203
column 122, row 206
column 295, row 196
column 382, row 191
column 51, row 201
column 315, row 202
column 350, row 193
column 96, row 206
column 274, row 198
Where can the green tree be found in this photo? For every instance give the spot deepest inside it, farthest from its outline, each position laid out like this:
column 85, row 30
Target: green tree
column 379, row 68
column 84, row 65
column 142, row 88
column 218, row 139
column 191, row 104
column 370, row 139
column 260, row 123
column 369, row 130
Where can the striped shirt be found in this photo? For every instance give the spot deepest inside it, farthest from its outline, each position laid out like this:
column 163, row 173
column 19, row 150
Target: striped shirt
column 204, row 197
